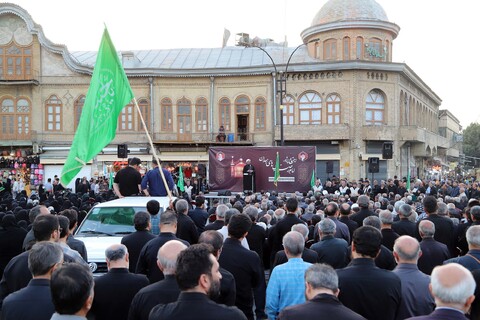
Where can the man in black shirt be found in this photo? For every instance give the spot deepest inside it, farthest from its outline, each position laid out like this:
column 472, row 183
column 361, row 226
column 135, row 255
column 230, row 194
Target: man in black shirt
column 127, row 181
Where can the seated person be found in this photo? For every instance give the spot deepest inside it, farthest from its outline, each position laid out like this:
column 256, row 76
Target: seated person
column 221, row 134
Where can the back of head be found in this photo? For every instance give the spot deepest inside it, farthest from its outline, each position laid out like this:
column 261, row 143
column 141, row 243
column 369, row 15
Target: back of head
column 373, row 221
column 213, row 238
column 367, row 241
column 221, row 210
column 430, row 204
column 294, row 243
column 475, row 213
column 405, row 211
column 302, row 228
column 327, row 227
column 71, row 286
column 229, row 214
column 426, row 228
column 363, row 201
column 452, row 284
column 252, row 212
column 199, row 201
column 181, row 206
column 331, row 209
column 239, row 225
column 345, row 209
column 192, row 263
column 34, row 212
column 322, row 276
column 473, row 236
column 64, row 224
column 141, row 220
column 116, row 252
column 44, row 225
column 398, row 204
column 135, row 161
column 279, row 214
column 442, row 209
column 168, row 217
column 167, row 255
column 43, row 256
column 292, row 204
column 72, row 216
column 386, row 217
column 153, row 207
column 407, row 249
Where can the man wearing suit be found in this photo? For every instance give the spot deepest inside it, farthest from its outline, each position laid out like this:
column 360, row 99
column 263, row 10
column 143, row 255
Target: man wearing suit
column 471, row 260
column 453, row 288
column 161, row 292
column 186, row 228
column 345, row 211
column 372, row 292
column 219, row 222
column 135, row 241
column 244, row 264
column 332, row 251
column 73, row 243
column 404, row 226
column 321, row 292
column 115, row 290
column 363, row 202
column 308, row 255
column 198, row 276
column 388, row 235
column 433, row 252
column 147, row 261
column 199, row 215
column 34, row 301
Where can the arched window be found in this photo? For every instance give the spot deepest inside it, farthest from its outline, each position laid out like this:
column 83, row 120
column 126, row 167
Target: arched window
column 16, row 62
column 330, row 49
column 201, row 114
column 359, row 47
column 15, row 118
column 184, row 119
column 375, row 50
column 144, row 105
column 77, row 110
column 288, row 110
column 346, row 48
column 260, row 121
column 53, row 113
column 126, row 118
column 224, row 114
column 166, row 112
column 310, row 106
column 333, row 109
column 375, row 108
column 242, row 104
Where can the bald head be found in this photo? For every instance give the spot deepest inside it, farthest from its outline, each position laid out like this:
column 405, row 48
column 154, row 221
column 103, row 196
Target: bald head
column 426, row 228
column 406, row 250
column 117, row 256
column 452, row 285
column 167, row 256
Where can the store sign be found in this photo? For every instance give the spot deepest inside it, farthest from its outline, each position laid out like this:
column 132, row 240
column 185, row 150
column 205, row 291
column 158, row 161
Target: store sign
column 296, row 167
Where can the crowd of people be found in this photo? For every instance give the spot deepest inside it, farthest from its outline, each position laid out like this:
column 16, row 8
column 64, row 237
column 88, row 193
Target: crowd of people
column 345, row 250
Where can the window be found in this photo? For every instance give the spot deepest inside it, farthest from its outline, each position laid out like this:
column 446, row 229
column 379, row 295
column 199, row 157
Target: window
column 144, row 105
column 333, row 109
column 242, row 104
column 53, row 106
column 15, row 118
column 77, row 109
column 224, row 114
column 289, row 110
column 184, row 106
column 330, row 49
column 375, row 107
column 166, row 110
column 15, row 62
column 310, row 106
column 126, row 118
column 359, row 47
column 201, row 115
column 346, row 48
column 374, row 50
column 260, row 105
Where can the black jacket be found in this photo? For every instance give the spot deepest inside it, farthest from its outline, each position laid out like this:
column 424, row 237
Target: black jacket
column 186, row 229
column 134, row 243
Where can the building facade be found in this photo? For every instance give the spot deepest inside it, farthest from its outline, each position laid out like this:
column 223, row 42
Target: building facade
column 340, row 92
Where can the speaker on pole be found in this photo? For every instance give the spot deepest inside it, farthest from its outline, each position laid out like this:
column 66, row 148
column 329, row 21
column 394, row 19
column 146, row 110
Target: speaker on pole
column 329, row 167
column 122, row 151
column 373, row 165
column 387, row 150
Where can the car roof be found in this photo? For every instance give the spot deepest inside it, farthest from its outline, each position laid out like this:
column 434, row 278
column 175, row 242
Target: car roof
column 134, row 202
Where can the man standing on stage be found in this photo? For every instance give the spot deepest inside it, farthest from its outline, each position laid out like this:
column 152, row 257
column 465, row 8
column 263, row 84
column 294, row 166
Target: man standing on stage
column 249, row 177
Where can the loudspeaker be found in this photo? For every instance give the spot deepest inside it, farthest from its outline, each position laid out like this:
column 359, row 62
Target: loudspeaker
column 373, row 165
column 387, row 150
column 122, row 151
column 329, row 167
column 202, row 170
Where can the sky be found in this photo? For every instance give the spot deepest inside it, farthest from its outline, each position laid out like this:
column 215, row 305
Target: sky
column 436, row 39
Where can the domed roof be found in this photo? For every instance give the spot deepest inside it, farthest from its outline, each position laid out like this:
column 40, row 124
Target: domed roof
column 338, row 10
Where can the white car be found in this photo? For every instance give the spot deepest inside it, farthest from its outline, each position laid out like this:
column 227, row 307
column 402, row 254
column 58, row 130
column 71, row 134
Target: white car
column 106, row 224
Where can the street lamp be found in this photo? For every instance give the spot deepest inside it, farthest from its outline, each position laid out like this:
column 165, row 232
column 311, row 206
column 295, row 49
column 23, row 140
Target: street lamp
column 283, row 87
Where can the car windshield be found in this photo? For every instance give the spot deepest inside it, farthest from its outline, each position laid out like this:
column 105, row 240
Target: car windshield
column 109, row 221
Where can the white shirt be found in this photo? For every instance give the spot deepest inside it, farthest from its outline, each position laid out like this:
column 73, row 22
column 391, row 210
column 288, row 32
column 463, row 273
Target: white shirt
column 224, row 232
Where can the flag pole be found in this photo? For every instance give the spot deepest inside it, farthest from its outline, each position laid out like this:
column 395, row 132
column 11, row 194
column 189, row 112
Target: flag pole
column 153, row 149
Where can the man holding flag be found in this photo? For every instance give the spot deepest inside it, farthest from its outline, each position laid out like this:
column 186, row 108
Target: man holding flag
column 152, row 183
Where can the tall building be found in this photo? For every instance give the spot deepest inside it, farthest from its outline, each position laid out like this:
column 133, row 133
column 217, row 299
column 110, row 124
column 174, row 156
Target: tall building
column 340, row 91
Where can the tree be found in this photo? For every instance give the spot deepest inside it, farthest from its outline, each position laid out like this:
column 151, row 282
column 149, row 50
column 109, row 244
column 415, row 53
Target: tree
column 471, row 140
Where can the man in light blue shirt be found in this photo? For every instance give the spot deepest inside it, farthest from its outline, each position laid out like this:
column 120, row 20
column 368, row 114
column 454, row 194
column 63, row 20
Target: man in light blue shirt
column 286, row 286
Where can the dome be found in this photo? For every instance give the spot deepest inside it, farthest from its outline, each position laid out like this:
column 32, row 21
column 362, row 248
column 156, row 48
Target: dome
column 338, row 10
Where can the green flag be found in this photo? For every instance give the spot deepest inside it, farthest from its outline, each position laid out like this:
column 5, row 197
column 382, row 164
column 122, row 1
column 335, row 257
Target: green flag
column 408, row 180
column 180, row 182
column 312, row 181
column 109, row 92
column 110, row 180
column 277, row 171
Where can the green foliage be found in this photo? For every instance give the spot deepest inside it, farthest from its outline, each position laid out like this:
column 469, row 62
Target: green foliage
column 471, row 140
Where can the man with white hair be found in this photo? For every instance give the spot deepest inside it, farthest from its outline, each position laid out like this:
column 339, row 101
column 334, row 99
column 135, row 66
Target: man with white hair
column 404, row 226
column 308, row 255
column 331, row 250
column 471, row 260
column 388, row 235
column 453, row 288
column 287, row 283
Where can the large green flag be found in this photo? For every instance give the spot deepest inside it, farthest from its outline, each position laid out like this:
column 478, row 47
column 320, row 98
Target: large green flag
column 277, row 171
column 180, row 182
column 312, row 181
column 109, row 92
